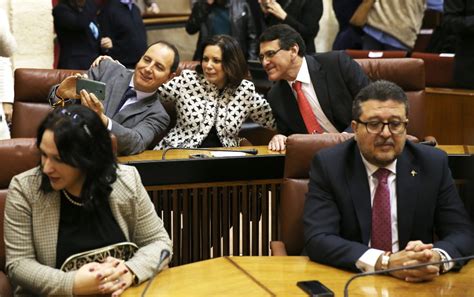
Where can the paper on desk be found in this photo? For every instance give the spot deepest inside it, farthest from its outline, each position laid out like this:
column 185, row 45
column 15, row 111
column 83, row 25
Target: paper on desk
column 227, row 154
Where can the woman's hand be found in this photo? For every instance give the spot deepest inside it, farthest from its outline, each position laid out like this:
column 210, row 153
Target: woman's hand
column 116, row 277
column 275, row 8
column 87, row 279
column 100, row 59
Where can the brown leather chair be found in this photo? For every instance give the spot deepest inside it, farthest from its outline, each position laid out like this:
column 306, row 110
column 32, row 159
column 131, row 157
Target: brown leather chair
column 32, row 88
column 438, row 69
column 16, row 155
column 409, row 74
column 365, row 54
column 300, row 149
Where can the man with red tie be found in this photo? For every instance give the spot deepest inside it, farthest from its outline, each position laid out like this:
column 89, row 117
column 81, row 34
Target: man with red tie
column 379, row 201
column 312, row 93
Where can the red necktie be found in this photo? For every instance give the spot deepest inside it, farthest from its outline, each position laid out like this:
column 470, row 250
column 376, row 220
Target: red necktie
column 381, row 218
column 310, row 120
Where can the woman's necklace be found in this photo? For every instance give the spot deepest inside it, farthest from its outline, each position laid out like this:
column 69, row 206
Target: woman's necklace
column 71, row 200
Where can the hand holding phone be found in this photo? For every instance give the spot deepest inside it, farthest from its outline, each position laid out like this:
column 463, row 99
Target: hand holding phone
column 91, row 86
column 315, row 288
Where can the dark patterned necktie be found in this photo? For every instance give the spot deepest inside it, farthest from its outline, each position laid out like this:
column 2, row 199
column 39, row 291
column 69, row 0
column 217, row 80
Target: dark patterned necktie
column 381, row 237
column 129, row 94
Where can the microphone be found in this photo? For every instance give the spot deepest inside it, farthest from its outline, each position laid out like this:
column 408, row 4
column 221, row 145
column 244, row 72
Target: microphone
column 164, row 254
column 385, row 271
column 247, row 151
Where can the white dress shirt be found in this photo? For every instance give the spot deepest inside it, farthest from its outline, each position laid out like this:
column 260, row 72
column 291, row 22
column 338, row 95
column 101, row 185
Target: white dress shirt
column 308, row 90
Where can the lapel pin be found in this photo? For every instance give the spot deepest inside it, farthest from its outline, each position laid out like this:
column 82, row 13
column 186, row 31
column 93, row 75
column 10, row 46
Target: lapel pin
column 413, row 172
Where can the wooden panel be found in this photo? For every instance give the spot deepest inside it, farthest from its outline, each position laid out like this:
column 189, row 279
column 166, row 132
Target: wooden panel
column 205, row 220
column 450, row 115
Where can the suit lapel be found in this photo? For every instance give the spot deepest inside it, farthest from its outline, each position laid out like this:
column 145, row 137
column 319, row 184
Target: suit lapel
column 134, row 108
column 320, row 84
column 356, row 177
column 408, row 177
column 117, row 90
column 47, row 222
column 290, row 107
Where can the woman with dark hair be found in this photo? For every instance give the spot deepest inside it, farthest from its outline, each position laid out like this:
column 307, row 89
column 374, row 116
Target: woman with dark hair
column 213, row 101
column 79, row 207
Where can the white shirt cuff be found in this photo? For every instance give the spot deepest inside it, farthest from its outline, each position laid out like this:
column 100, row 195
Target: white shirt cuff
column 366, row 263
column 446, row 266
column 109, row 124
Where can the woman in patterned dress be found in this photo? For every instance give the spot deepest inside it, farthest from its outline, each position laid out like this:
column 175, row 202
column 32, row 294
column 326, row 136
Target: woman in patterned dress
column 213, row 101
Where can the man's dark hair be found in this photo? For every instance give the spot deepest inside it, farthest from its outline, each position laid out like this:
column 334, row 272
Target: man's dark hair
column 83, row 142
column 175, row 64
column 233, row 59
column 381, row 90
column 287, row 37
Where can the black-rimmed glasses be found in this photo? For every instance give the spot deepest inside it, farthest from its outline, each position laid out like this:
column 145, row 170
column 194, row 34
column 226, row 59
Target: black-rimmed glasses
column 268, row 55
column 76, row 119
column 376, row 127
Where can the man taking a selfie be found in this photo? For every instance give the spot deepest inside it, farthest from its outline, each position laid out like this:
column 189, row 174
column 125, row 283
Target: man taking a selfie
column 131, row 109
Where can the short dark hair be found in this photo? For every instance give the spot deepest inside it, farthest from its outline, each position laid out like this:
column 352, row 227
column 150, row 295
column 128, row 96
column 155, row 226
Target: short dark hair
column 83, row 142
column 233, row 59
column 287, row 37
column 175, row 64
column 381, row 90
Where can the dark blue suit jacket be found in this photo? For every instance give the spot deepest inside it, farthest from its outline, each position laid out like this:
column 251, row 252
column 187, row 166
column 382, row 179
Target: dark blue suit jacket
column 336, row 79
column 337, row 214
column 78, row 46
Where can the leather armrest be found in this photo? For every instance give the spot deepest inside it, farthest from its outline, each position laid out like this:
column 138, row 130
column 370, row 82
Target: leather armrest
column 5, row 286
column 278, row 248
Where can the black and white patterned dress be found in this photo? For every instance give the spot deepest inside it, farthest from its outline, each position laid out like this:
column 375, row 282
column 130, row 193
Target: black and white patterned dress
column 200, row 106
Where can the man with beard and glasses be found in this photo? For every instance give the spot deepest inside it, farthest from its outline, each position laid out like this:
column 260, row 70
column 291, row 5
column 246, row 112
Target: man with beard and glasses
column 131, row 109
column 379, row 201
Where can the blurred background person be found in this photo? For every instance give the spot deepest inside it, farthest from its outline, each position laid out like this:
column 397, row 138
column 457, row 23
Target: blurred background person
column 79, row 199
column 121, row 21
column 213, row 101
column 459, row 18
column 349, row 36
column 148, row 7
column 78, row 33
column 302, row 15
column 230, row 17
column 7, row 47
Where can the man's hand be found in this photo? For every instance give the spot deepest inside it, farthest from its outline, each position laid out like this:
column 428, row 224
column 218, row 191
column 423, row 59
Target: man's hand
column 416, row 252
column 153, row 9
column 106, row 42
column 67, row 88
column 277, row 143
column 91, row 101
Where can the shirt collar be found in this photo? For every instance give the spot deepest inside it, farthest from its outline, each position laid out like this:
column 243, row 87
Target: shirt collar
column 140, row 94
column 371, row 168
column 303, row 74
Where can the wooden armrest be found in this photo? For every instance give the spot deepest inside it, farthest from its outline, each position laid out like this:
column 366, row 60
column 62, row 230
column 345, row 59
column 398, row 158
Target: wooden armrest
column 278, row 248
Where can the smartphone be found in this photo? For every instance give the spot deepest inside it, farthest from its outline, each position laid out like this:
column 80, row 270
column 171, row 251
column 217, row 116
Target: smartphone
column 198, row 156
column 315, row 289
column 91, row 86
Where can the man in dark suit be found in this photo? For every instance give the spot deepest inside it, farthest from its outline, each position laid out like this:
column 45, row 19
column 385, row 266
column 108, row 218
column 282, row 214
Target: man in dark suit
column 328, row 81
column 378, row 201
column 131, row 109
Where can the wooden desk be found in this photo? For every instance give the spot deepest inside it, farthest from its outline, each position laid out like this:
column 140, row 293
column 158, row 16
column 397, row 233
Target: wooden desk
column 277, row 276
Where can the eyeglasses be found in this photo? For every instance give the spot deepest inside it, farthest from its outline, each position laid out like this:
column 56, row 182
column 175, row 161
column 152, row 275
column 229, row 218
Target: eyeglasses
column 268, row 55
column 376, row 127
column 77, row 120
